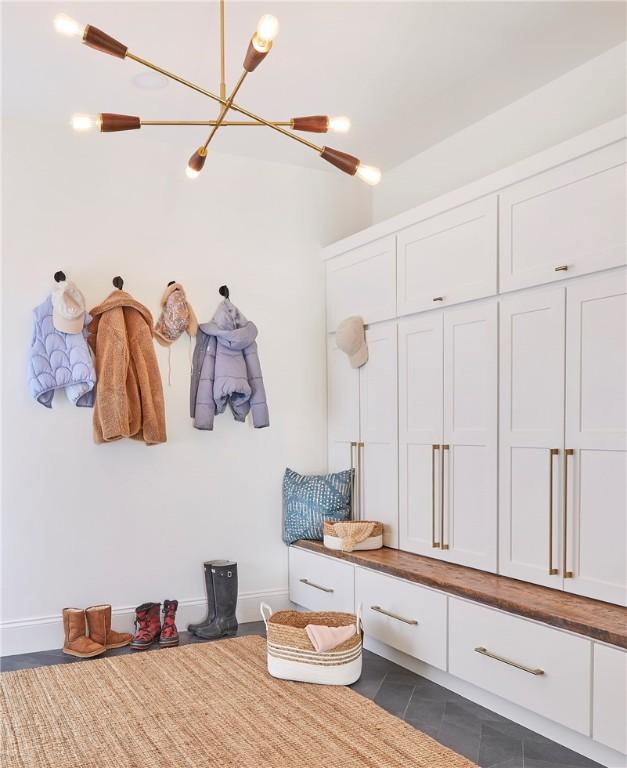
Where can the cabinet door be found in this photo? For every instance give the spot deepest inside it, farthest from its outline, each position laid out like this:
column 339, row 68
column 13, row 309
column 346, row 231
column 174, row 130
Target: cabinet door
column 532, row 340
column 378, row 418
column 596, row 430
column 420, row 391
column 362, row 282
column 470, row 432
column 567, row 221
column 448, row 258
column 609, row 703
column 343, row 408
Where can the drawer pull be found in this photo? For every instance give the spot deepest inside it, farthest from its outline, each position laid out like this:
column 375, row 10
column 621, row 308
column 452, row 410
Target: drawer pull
column 562, row 268
column 378, row 609
column 316, row 586
column 531, row 670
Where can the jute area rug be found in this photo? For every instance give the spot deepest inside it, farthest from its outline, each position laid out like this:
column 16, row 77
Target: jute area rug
column 211, row 704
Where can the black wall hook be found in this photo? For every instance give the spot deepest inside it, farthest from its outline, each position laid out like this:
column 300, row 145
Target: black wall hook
column 171, row 283
column 118, row 282
column 59, row 276
column 223, row 290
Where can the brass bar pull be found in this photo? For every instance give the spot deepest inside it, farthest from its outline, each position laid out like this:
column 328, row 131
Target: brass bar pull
column 378, row 609
column 562, row 268
column 442, row 544
column 316, row 586
column 353, row 506
column 435, row 544
column 438, row 298
column 360, row 460
column 531, row 670
column 553, row 452
column 567, row 574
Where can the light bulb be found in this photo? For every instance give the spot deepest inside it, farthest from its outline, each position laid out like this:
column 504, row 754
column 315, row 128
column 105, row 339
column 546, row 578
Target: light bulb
column 191, row 173
column 339, row 124
column 267, row 28
column 369, row 174
column 65, row 25
column 83, row 123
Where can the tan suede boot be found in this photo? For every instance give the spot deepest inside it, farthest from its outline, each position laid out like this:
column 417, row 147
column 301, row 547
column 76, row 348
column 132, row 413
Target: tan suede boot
column 99, row 623
column 76, row 642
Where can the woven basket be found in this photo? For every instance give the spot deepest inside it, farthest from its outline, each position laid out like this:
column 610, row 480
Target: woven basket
column 333, row 539
column 291, row 656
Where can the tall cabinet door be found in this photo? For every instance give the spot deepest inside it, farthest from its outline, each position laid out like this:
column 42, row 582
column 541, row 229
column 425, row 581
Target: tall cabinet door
column 532, row 339
column 420, row 392
column 469, row 453
column 343, row 407
column 595, row 546
column 379, row 436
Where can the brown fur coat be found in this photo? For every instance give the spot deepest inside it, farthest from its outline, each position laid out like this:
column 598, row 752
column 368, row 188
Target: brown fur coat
column 129, row 395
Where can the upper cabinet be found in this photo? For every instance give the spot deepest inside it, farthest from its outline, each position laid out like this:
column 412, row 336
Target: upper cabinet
column 567, row 221
column 362, row 282
column 449, row 258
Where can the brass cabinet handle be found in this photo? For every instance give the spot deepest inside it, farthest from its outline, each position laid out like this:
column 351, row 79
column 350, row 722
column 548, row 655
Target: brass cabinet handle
column 442, row 544
column 531, row 670
column 567, row 574
column 378, row 609
column 359, row 447
column 316, row 586
column 435, row 544
column 438, row 298
column 553, row 452
column 353, row 508
column 562, row 268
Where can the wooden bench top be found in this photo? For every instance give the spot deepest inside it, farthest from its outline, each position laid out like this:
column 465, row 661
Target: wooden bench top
column 592, row 618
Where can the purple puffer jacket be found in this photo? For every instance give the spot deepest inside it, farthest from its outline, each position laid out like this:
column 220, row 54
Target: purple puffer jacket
column 226, row 369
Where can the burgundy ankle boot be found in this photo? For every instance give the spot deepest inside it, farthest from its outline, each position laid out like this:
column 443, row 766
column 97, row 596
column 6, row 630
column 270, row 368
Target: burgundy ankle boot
column 148, row 626
column 169, row 633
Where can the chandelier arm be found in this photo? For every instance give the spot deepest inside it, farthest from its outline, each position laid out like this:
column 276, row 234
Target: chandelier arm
column 222, row 68
column 234, row 106
column 224, row 123
column 225, row 108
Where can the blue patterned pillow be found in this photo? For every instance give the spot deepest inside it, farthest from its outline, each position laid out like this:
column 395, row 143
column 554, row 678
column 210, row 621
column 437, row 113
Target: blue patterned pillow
column 309, row 500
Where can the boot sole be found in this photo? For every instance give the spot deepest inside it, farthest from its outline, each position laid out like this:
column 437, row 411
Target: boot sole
column 119, row 645
column 168, row 644
column 83, row 655
column 143, row 647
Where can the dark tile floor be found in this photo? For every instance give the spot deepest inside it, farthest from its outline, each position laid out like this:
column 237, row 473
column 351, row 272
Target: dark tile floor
column 483, row 736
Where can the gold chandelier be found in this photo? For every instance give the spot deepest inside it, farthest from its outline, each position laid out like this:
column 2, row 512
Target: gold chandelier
column 258, row 48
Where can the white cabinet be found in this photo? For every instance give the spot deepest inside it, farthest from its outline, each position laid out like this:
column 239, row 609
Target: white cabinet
column 569, row 220
column 447, row 434
column 320, row 583
column 564, row 435
column 532, row 665
column 532, row 342
column 405, row 616
column 609, row 703
column 362, row 426
column 448, row 258
column 362, row 282
column 595, row 480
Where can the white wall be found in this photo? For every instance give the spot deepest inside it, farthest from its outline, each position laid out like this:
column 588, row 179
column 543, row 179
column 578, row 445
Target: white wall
column 123, row 523
column 579, row 100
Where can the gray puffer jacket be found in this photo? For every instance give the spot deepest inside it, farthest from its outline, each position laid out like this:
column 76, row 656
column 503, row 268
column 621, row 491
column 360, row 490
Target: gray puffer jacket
column 226, row 369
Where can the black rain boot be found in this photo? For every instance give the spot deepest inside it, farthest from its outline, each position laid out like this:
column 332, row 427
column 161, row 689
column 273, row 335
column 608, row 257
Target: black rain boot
column 211, row 603
column 224, row 573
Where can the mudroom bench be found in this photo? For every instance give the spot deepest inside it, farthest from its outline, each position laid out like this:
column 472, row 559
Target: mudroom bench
column 547, row 660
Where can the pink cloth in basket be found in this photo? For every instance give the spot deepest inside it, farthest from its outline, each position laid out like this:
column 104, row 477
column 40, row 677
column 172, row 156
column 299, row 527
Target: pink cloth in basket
column 327, row 638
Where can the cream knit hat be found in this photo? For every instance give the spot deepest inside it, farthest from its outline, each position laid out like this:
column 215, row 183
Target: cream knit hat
column 351, row 338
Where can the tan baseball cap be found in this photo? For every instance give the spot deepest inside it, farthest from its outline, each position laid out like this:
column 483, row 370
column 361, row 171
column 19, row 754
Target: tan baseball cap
column 351, row 338
column 68, row 307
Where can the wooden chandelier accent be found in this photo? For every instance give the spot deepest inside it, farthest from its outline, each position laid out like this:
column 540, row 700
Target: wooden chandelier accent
column 259, row 47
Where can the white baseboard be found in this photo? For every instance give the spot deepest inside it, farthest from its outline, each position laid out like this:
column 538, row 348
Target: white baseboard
column 45, row 633
column 525, row 717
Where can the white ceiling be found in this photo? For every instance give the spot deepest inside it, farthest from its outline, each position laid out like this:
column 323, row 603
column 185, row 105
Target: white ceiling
column 408, row 74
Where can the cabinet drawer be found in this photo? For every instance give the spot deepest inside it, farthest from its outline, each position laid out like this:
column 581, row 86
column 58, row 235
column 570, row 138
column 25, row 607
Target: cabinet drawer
column 567, row 221
column 448, row 258
column 553, row 673
column 320, row 583
column 362, row 282
column 381, row 595
column 609, row 708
